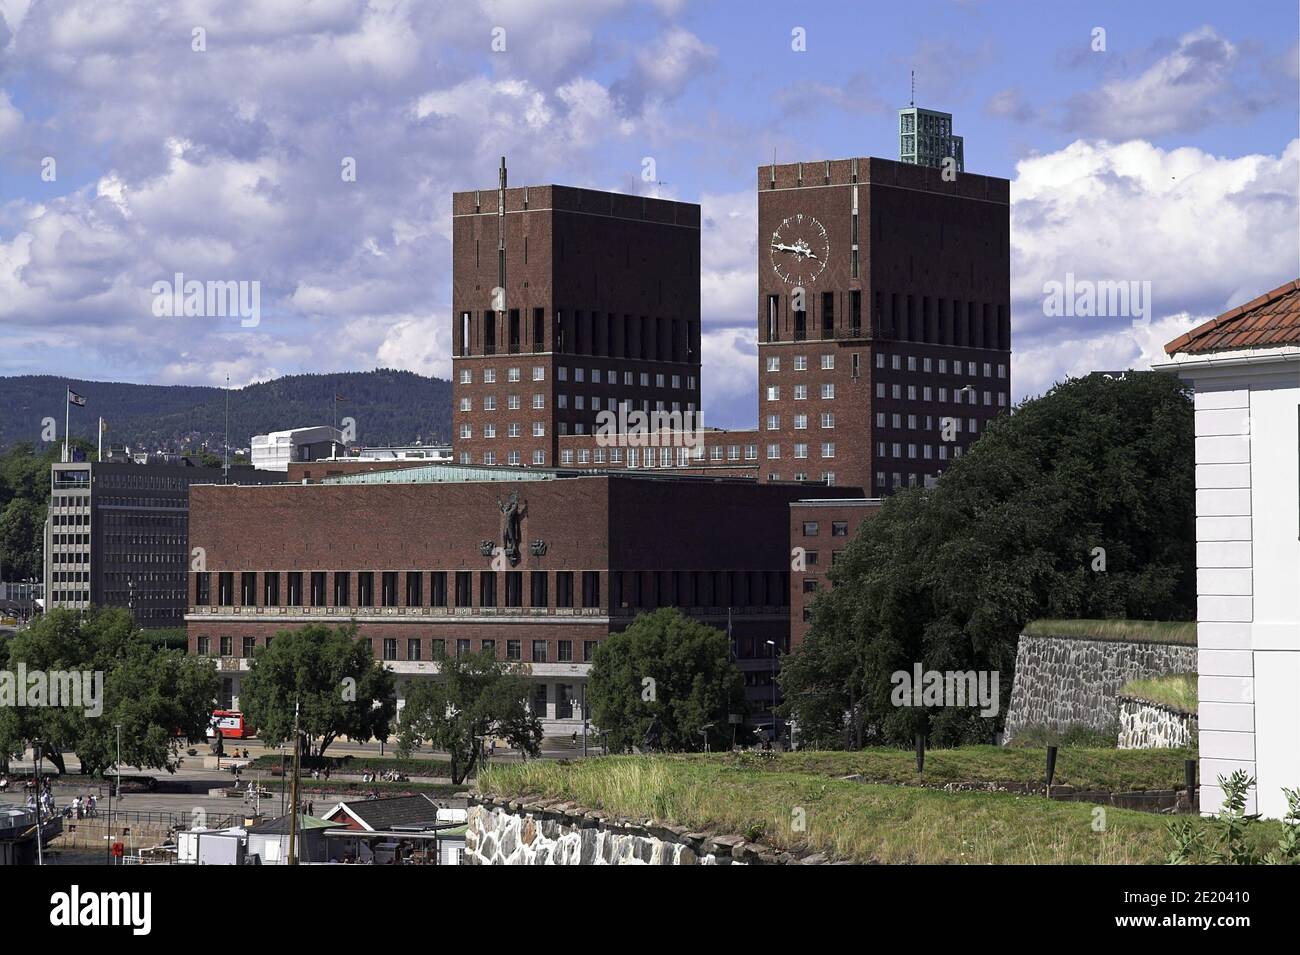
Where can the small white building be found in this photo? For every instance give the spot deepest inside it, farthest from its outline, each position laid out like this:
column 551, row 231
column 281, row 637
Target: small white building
column 1245, row 368
column 274, row 451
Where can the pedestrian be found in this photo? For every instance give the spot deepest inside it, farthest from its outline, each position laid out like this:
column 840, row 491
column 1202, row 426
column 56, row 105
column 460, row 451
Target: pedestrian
column 76, row 807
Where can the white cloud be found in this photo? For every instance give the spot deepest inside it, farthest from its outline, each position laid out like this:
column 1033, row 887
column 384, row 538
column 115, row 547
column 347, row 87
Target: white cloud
column 1207, row 232
column 1184, row 90
column 728, row 257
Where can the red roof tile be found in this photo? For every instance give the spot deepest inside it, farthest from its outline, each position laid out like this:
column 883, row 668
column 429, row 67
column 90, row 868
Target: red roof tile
column 1271, row 320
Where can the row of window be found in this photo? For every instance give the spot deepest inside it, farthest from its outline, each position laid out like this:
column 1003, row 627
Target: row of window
column 897, row 391
column 773, row 421
column 413, row 648
column 896, row 362
column 800, row 392
column 580, row 375
column 382, row 589
column 607, row 335
column 800, row 362
column 388, row 588
column 895, row 450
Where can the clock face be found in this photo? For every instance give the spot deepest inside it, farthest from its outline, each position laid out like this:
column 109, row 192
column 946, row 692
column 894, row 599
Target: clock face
column 800, row 249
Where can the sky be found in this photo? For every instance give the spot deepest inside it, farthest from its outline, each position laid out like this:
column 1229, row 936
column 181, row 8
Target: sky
column 1151, row 142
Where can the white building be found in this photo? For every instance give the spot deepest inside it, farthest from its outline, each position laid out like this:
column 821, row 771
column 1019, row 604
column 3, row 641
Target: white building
column 274, row 451
column 1245, row 368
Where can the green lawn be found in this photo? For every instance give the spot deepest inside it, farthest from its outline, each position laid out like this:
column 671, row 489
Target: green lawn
column 1177, row 690
column 1150, row 631
column 1112, row 770
column 809, row 810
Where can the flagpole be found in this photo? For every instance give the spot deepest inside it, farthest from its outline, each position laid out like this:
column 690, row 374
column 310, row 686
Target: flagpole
column 67, row 420
column 99, row 455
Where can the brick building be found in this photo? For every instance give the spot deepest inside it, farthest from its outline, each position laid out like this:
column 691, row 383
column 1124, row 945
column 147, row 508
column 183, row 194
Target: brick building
column 418, row 559
column 568, row 302
column 883, row 317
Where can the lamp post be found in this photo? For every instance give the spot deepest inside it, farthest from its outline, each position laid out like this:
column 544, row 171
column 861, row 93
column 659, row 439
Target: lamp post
column 772, row 644
column 40, row 828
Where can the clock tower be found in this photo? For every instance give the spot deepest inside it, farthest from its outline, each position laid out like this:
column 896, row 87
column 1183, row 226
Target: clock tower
column 884, row 329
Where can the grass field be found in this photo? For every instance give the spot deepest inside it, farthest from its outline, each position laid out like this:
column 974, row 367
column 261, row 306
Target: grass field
column 1151, row 631
column 798, row 806
column 1112, row 770
column 1177, row 690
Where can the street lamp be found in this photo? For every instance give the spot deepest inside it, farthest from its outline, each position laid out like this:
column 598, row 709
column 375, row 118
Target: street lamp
column 772, row 644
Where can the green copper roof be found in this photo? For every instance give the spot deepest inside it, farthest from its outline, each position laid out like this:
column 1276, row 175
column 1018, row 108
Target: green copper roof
column 441, row 474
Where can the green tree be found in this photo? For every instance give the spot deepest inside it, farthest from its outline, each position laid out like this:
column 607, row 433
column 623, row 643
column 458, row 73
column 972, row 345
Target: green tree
column 669, row 666
column 22, row 526
column 159, row 697
column 334, row 677
column 474, row 696
column 1079, row 504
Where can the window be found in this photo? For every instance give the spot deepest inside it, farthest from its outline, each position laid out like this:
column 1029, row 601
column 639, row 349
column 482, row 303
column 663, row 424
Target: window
column 464, row 588
column 487, row 589
column 227, row 646
column 810, row 528
column 564, row 651
column 203, row 589
column 462, row 647
column 390, row 648
column 588, row 650
column 295, row 588
column 414, row 597
column 388, row 589
column 366, row 589
column 839, row 528
column 249, row 644
column 437, row 649
column 341, row 598
column 828, row 390
column 539, row 651
column 539, row 699
column 564, row 588
column 413, row 648
column 590, row 588
column 512, row 650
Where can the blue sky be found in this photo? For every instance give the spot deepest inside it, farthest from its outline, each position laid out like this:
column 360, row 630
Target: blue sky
column 1171, row 156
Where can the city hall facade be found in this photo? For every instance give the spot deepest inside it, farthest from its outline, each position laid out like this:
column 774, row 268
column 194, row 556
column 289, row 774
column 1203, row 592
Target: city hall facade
column 883, row 321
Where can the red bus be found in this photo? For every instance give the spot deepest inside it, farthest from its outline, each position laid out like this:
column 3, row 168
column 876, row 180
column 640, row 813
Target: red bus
column 230, row 724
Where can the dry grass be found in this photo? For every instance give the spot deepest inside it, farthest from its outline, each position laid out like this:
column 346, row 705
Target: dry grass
column 851, row 821
column 1148, row 631
column 1176, row 690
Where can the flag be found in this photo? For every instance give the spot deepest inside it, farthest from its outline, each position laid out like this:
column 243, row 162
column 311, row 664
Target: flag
column 103, row 426
column 76, row 399
column 338, row 398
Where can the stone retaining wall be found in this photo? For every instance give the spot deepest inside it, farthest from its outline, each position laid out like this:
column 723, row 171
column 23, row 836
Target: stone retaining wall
column 1062, row 682
column 1146, row 725
column 554, row 832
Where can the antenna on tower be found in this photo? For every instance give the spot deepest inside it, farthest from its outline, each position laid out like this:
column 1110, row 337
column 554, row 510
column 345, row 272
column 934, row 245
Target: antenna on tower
column 912, row 102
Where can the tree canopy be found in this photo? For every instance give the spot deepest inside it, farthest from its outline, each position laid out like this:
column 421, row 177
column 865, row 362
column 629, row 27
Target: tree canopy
column 331, row 675
column 159, row 697
column 1079, row 504
column 474, row 697
column 669, row 666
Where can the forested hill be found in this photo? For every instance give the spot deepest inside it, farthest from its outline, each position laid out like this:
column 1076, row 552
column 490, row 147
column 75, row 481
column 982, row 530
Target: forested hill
column 389, row 407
